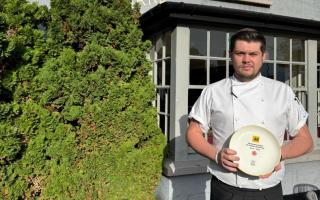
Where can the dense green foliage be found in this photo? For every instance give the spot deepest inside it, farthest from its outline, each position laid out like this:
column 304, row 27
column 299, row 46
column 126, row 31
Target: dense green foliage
column 76, row 115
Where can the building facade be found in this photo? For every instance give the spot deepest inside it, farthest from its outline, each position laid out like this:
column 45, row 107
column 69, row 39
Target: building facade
column 190, row 50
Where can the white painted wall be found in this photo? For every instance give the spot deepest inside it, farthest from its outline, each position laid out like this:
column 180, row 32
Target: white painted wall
column 304, row 9
column 191, row 187
column 42, row 2
column 301, row 173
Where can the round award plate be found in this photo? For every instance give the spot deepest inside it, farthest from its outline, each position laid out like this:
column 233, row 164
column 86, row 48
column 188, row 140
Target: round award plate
column 258, row 150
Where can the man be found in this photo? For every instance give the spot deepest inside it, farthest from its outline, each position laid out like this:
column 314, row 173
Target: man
column 247, row 98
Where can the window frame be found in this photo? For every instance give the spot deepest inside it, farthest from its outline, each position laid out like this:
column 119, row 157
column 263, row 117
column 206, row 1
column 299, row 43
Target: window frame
column 163, row 86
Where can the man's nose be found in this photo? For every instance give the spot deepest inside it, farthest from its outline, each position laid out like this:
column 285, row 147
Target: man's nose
column 245, row 58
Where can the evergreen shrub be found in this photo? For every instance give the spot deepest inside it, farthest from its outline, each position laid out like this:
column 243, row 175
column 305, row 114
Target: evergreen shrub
column 76, row 114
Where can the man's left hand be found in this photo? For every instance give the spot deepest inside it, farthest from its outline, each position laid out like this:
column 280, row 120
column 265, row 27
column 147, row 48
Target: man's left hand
column 276, row 168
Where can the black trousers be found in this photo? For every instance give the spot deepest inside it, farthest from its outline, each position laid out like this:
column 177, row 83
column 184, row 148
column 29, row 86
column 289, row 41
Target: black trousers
column 222, row 191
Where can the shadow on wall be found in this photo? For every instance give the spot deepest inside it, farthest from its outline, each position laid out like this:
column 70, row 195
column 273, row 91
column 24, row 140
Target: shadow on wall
column 182, row 187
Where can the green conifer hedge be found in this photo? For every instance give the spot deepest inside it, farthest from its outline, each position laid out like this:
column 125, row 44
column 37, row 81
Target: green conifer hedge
column 76, row 114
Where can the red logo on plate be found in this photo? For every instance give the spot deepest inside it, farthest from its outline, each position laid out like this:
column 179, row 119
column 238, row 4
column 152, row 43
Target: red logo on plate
column 254, row 153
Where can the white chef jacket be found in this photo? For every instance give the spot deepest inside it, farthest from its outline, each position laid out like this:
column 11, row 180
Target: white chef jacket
column 227, row 105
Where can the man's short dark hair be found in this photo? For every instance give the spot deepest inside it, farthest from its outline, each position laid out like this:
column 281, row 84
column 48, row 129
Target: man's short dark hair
column 248, row 35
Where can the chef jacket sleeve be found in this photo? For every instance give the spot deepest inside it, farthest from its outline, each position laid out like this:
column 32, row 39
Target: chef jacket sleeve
column 201, row 110
column 297, row 115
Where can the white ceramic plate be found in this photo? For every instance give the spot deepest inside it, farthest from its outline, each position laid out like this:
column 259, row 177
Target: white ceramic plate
column 258, row 150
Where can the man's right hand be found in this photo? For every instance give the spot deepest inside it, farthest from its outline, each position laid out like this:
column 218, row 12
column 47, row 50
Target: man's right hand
column 226, row 158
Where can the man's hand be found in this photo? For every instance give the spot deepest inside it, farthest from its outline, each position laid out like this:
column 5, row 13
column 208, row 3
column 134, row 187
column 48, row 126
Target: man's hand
column 276, row 168
column 226, row 159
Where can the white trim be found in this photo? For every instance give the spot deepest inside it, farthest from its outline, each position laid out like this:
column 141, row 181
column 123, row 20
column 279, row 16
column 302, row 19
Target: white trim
column 312, row 90
column 180, row 45
column 262, row 2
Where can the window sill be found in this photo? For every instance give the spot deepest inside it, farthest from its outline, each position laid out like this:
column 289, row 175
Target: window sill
column 178, row 168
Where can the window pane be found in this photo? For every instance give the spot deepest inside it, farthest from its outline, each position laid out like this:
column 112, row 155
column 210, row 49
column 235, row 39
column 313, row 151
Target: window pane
column 159, row 73
column 318, row 51
column 318, row 128
column 168, row 103
column 318, row 77
column 159, row 45
column 217, row 43
column 162, row 122
column 298, row 50
column 298, row 76
column 267, row 70
column 198, row 42
column 283, row 73
column 168, row 71
column 153, row 49
column 318, row 98
column 168, row 127
column 198, row 72
column 217, row 70
column 231, row 70
column 162, row 94
column 302, row 96
column 229, row 38
column 283, row 49
column 193, row 95
column 167, row 43
column 270, row 47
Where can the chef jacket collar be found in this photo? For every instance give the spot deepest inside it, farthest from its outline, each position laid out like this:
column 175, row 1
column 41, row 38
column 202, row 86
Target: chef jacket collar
column 239, row 88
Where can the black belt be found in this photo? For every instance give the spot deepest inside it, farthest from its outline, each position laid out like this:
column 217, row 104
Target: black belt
column 226, row 186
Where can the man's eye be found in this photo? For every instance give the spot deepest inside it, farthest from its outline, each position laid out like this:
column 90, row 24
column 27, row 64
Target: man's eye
column 239, row 53
column 253, row 54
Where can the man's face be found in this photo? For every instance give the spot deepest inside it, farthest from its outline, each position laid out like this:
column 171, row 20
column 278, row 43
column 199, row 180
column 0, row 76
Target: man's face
column 247, row 59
